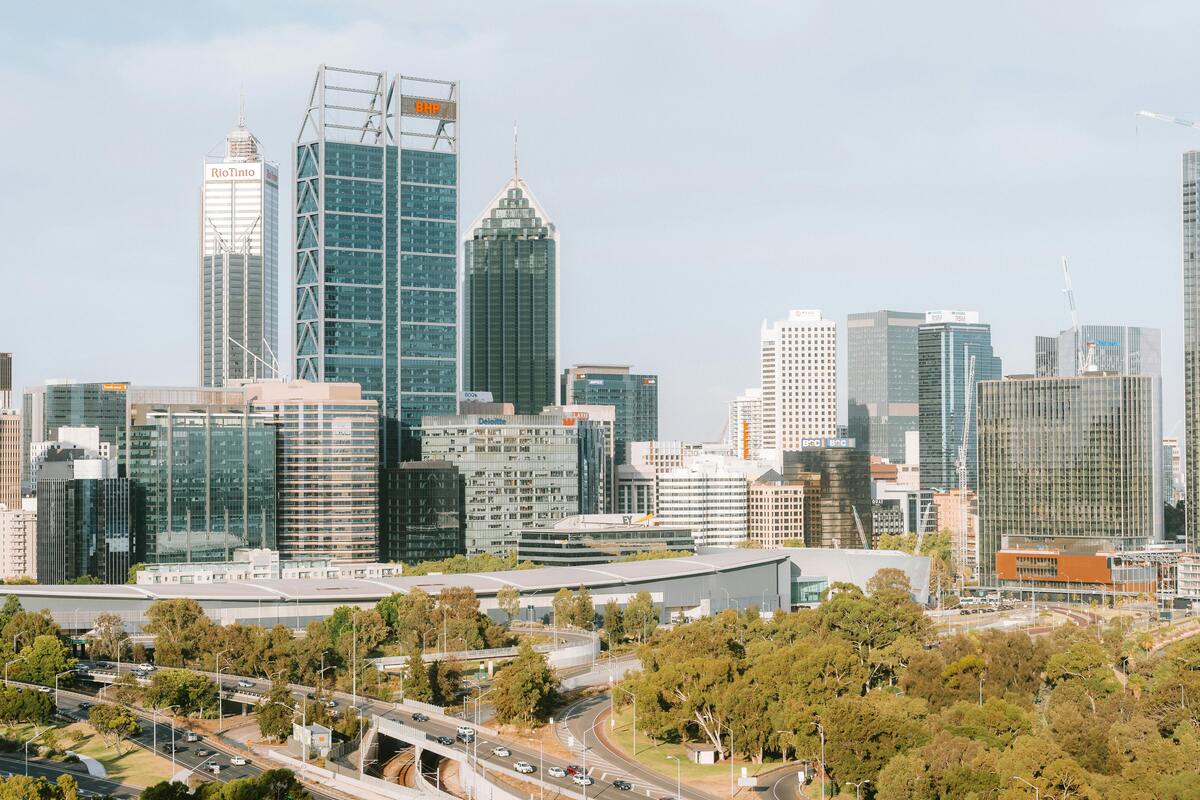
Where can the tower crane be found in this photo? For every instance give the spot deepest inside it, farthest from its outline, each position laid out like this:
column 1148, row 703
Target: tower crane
column 1187, row 123
column 961, row 462
column 922, row 523
column 1070, row 292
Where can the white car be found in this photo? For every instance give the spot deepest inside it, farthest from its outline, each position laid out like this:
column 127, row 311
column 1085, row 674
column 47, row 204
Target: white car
column 45, row 689
column 582, row 779
column 237, row 761
column 246, row 684
column 191, row 737
column 146, row 667
column 557, row 772
column 466, row 730
column 501, row 751
column 214, row 768
column 523, row 767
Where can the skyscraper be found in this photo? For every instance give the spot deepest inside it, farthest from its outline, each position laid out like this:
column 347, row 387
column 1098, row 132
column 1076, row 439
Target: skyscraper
column 423, row 512
column 5, row 380
column 1191, row 344
column 945, row 345
column 10, row 458
column 65, row 403
column 1045, row 356
column 633, row 395
column 83, row 520
column 239, row 263
column 744, row 430
column 376, row 235
column 1124, row 349
column 881, row 384
column 510, row 302
column 799, row 380
column 837, row 479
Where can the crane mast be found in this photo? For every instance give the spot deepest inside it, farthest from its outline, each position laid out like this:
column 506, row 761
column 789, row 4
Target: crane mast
column 961, row 465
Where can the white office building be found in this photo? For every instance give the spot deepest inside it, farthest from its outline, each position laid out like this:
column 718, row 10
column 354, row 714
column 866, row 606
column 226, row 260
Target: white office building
column 239, row 264
column 605, row 418
column 744, row 432
column 710, row 497
column 799, row 380
column 18, row 540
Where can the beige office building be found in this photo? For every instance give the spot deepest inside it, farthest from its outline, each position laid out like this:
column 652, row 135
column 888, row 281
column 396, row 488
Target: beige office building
column 327, row 468
column 10, row 458
column 18, row 540
column 776, row 511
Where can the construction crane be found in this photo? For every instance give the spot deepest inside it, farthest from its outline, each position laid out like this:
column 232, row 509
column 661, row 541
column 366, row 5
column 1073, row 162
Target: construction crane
column 1187, row 123
column 1070, row 292
column 922, row 524
column 862, row 535
column 961, row 462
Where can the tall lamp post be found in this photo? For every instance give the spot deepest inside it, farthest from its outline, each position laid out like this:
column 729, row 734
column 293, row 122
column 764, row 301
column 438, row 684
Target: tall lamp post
column 858, row 787
column 678, row 782
column 56, row 677
column 1037, row 793
column 220, row 707
column 612, row 722
column 10, row 663
column 27, row 743
column 821, row 730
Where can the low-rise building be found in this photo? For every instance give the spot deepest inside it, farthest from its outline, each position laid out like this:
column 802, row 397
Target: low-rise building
column 422, row 512
column 18, row 540
column 600, row 539
column 777, row 511
column 261, row 564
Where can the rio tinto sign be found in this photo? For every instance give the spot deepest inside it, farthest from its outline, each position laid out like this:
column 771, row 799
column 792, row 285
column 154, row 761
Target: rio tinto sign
column 232, row 172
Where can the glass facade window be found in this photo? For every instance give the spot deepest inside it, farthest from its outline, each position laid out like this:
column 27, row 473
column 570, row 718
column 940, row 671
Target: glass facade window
column 635, row 398
column 882, row 395
column 422, row 511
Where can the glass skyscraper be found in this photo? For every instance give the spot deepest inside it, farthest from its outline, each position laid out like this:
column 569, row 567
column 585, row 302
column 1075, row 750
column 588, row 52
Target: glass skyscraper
column 83, row 519
column 945, row 343
column 239, row 263
column 881, row 351
column 1124, row 349
column 635, row 398
column 376, row 236
column 203, row 482
column 510, row 302
column 1191, row 343
column 60, row 404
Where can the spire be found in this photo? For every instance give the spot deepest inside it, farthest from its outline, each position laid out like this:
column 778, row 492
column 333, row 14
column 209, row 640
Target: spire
column 242, row 108
column 516, row 160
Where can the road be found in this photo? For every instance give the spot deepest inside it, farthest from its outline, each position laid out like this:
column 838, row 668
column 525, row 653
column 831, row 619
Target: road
column 15, row 765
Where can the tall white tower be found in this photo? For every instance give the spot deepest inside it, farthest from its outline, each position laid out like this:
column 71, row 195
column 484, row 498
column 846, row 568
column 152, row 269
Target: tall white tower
column 799, row 380
column 239, row 263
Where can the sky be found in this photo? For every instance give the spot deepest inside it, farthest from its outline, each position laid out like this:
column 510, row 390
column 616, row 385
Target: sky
column 709, row 166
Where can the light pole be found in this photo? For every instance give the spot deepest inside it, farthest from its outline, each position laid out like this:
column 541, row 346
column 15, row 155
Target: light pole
column 678, row 782
column 154, row 731
column 27, row 743
column 56, row 677
column 821, row 731
column 611, row 716
column 858, row 787
column 6, row 666
column 303, row 723
column 220, row 709
column 1037, row 794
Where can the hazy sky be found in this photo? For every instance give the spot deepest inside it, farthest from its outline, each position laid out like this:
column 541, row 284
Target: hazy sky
column 708, row 166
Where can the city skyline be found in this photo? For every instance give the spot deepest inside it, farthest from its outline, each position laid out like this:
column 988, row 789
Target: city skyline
column 1058, row 136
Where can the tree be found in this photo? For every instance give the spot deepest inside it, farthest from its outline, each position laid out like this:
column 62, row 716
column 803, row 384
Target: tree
column 12, row 606
column 583, row 612
column 416, row 685
column 191, row 692
column 275, row 715
column 25, row 626
column 409, row 616
column 509, row 600
column 21, row 706
column 126, row 690
column 45, row 658
column 614, row 623
column 889, row 579
column 641, row 618
column 113, row 723
column 863, row 733
column 68, row 787
column 166, row 790
column 563, row 605
column 525, row 689
column 111, row 640
column 84, row 580
column 178, row 626
column 133, row 572
column 445, row 677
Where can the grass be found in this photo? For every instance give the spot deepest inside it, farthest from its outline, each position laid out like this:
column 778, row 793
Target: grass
column 137, row 767
column 654, row 754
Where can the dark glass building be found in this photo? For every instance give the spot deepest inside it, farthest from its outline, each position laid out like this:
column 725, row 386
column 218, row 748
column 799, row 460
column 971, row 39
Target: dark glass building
column 945, row 345
column 510, row 302
column 423, row 517
column 881, row 358
column 635, row 398
column 837, row 476
column 376, row 238
column 47, row 408
column 83, row 519
column 203, row 482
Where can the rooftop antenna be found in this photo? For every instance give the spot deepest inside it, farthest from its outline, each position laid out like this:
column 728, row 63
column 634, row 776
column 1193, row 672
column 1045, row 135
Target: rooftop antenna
column 242, row 107
column 516, row 160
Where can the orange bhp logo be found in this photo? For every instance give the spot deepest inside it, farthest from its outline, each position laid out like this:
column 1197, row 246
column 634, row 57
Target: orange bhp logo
column 427, row 107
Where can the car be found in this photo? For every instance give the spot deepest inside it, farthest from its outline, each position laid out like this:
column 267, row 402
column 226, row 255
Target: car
column 146, row 667
column 202, row 753
column 246, row 684
column 419, row 717
column 331, row 703
column 622, row 784
column 311, row 695
column 214, row 768
column 45, row 689
column 574, row 769
column 237, row 761
column 169, row 748
column 191, row 737
column 85, row 705
column 582, row 779
column 557, row 772
column 524, row 767
column 501, row 751
column 103, row 665
column 444, row 740
column 465, row 734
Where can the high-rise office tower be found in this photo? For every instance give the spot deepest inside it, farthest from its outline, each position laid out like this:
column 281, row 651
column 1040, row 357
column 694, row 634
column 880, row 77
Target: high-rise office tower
column 65, row 403
column 799, row 380
column 5, row 380
column 510, row 301
column 1045, row 356
column 239, row 263
column 376, row 236
column 327, row 468
column 10, row 458
column 708, row 497
column 1191, row 344
column 1124, row 349
column 423, row 513
column 597, row 492
column 83, row 519
column 945, row 344
column 881, row 384
column 743, row 433
column 203, row 481
column 1068, row 464
column 1172, row 470
column 837, row 479
column 634, row 396
column 18, row 540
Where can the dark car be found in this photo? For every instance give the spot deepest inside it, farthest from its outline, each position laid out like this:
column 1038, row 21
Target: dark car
column 419, row 717
column 311, row 695
column 445, row 740
column 85, row 705
column 623, row 785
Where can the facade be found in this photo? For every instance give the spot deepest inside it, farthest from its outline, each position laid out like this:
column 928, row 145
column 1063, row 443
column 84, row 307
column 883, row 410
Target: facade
column 881, row 380
column 1045, row 356
column 663, row 455
column 776, row 511
column 510, row 302
column 1191, row 344
column 799, row 380
column 1124, row 349
column 635, row 490
column 600, row 539
column 744, row 431
column 945, row 346
column 958, row 513
column 18, row 540
column 376, row 237
column 423, row 516
column 708, row 498
column 249, row 564
column 837, row 478
column 239, row 263
column 1068, row 463
column 519, row 471
column 1172, row 471
column 203, row 481
column 5, row 380
column 84, row 527
column 598, row 489
column 10, row 457
column 887, row 517
column 61, row 403
column 633, row 396
column 326, row 468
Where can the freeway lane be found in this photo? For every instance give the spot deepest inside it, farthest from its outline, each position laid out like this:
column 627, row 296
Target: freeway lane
column 15, row 765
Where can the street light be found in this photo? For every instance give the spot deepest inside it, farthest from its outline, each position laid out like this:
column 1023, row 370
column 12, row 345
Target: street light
column 611, row 716
column 220, row 708
column 56, row 677
column 6, row 666
column 303, row 722
column 154, row 732
column 858, row 787
column 1037, row 794
column 678, row 783
column 27, row 743
column 821, row 730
